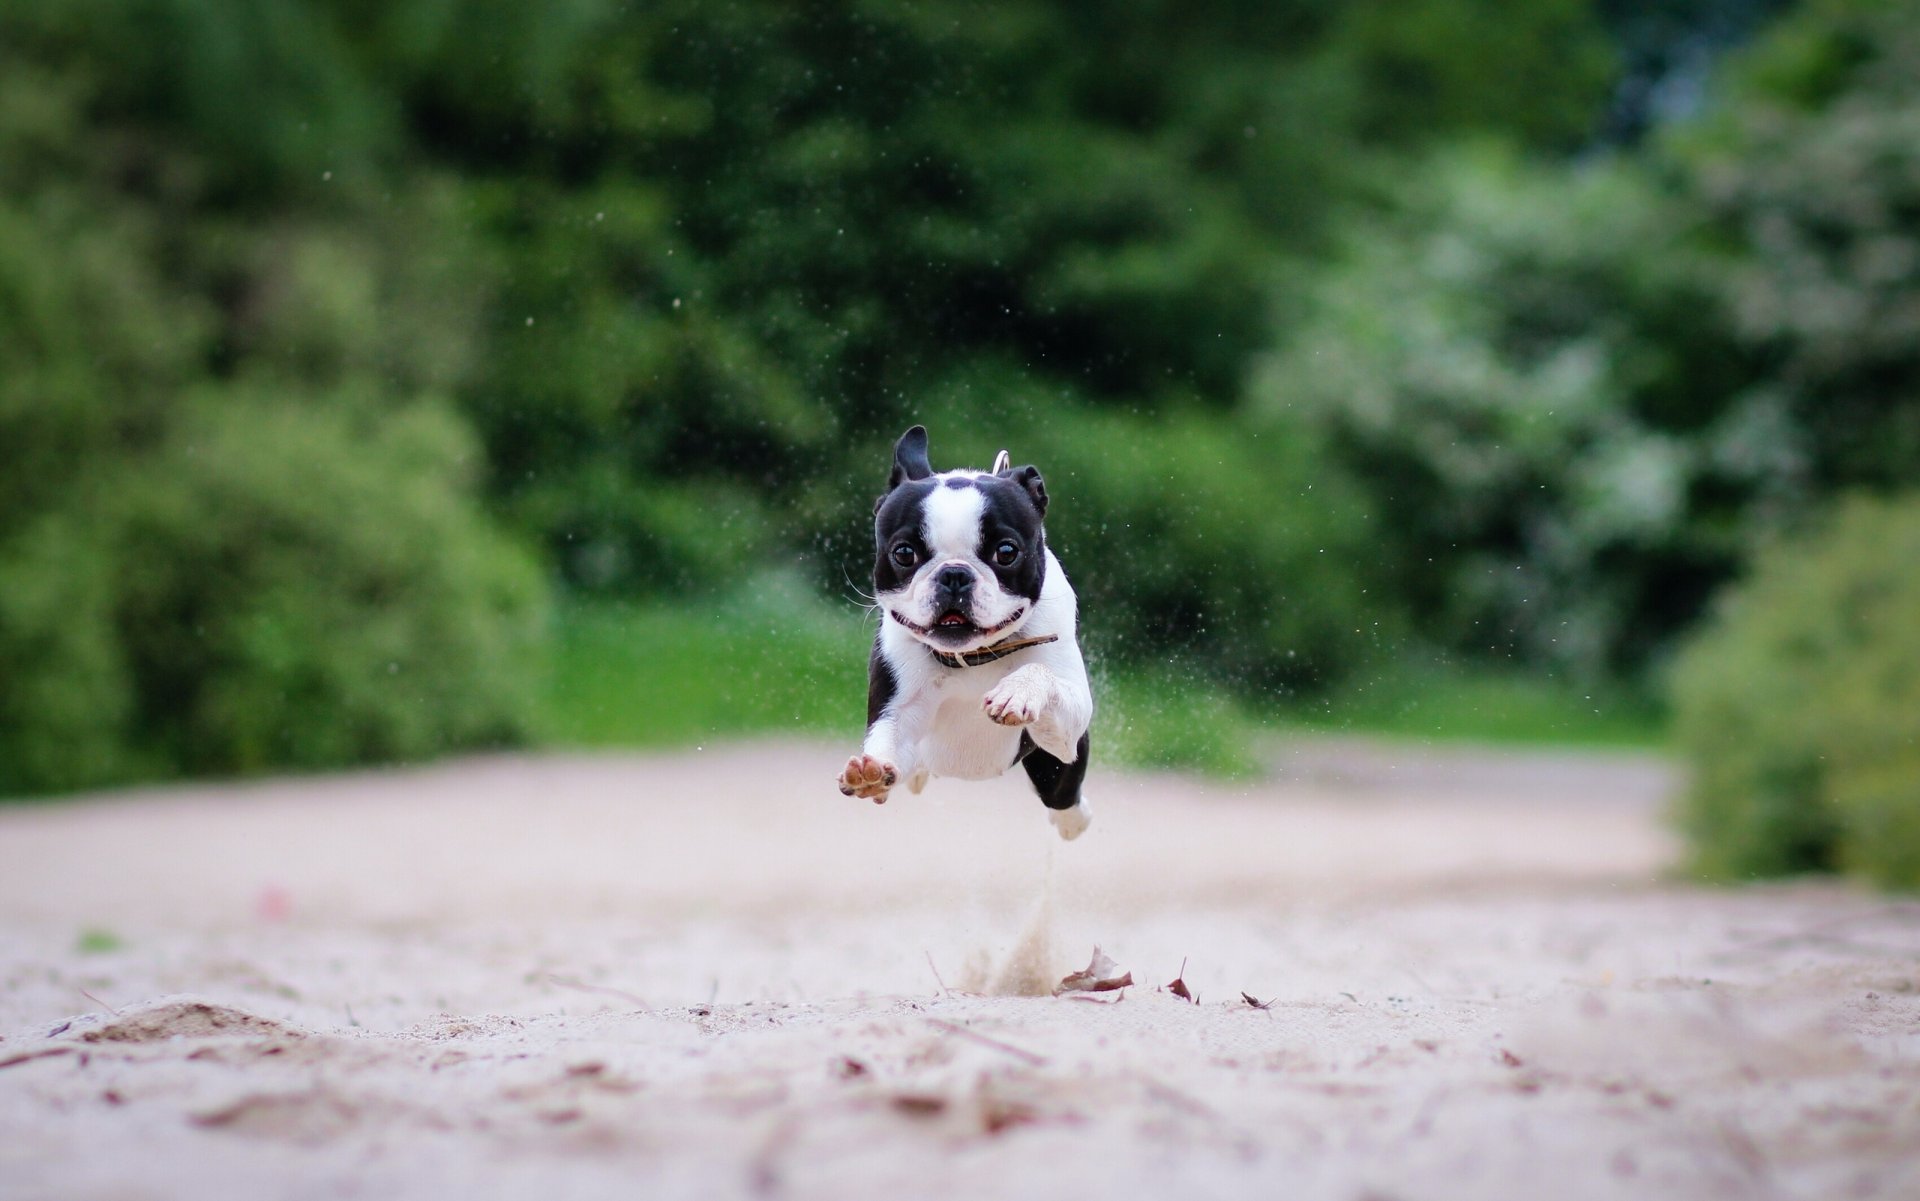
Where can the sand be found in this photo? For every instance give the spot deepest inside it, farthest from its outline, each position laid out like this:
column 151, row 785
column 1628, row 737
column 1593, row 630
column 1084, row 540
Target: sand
column 710, row 975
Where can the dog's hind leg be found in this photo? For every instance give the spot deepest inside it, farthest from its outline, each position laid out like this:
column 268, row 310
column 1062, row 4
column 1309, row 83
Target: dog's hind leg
column 1058, row 785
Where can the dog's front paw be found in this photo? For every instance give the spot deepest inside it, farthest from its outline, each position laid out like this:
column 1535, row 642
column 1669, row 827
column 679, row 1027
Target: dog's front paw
column 1016, row 700
column 868, row 777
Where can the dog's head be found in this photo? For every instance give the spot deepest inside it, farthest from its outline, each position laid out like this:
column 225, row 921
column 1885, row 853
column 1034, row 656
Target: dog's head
column 959, row 557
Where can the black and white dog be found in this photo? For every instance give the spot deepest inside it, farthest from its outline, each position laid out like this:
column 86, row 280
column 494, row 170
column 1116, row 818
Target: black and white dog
column 976, row 665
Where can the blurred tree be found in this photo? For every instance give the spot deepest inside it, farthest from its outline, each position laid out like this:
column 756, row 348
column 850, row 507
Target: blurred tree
column 728, row 237
column 1539, row 71
column 1584, row 393
column 1811, row 177
column 1668, row 52
column 1528, row 368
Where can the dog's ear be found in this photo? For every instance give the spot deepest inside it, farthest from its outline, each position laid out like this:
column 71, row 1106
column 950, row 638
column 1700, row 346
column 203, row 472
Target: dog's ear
column 909, row 463
column 910, row 458
column 1027, row 477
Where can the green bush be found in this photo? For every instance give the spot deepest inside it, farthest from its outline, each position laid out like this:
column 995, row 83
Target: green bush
column 1799, row 708
column 65, row 694
column 274, row 584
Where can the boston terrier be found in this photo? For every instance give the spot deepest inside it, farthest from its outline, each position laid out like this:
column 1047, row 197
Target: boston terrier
column 975, row 666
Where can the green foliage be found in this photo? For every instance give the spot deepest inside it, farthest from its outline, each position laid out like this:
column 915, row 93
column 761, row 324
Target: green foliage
column 1879, row 810
column 231, row 536
column 96, row 940
column 1159, row 717
column 274, row 583
column 1799, row 707
column 1811, row 188
column 1244, row 556
column 770, row 657
column 1447, row 701
column 655, row 284
column 1821, row 51
column 1541, row 69
column 1580, row 395
column 1528, row 371
column 683, row 248
column 309, row 586
column 66, row 696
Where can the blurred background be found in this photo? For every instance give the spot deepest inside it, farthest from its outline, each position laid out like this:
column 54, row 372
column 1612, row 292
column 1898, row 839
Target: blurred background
column 379, row 380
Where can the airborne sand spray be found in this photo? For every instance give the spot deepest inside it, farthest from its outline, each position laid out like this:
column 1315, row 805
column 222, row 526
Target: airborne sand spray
column 1028, row 970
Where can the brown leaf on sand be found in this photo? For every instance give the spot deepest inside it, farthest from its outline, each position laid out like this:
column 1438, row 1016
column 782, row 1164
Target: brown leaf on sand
column 1100, row 975
column 1179, row 986
column 849, row 1068
column 998, row 1115
column 29, row 1056
column 1179, row 989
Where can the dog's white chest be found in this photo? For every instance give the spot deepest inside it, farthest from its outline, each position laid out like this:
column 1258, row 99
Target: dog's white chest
column 962, row 741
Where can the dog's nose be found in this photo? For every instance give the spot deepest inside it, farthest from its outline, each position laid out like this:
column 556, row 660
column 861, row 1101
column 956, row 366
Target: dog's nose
column 954, row 579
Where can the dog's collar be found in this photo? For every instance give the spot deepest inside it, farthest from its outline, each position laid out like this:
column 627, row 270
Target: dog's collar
column 987, row 654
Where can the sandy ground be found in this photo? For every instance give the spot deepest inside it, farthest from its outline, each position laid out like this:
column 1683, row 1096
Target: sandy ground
column 709, row 975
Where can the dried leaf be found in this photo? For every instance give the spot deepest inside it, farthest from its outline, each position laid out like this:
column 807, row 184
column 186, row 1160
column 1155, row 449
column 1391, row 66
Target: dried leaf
column 30, row 1056
column 1179, row 986
column 1250, row 999
column 1100, row 975
column 997, row 1115
column 1509, row 1058
column 920, row 1105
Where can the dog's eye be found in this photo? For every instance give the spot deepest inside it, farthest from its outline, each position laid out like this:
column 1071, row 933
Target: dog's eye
column 1005, row 553
column 904, row 555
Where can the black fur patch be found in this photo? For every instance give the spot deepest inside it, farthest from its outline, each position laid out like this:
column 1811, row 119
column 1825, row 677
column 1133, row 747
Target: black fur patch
column 899, row 518
column 1011, row 516
column 1057, row 783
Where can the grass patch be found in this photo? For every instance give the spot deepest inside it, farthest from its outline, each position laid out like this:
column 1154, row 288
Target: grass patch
column 1451, row 704
column 780, row 660
column 97, row 941
column 1147, row 719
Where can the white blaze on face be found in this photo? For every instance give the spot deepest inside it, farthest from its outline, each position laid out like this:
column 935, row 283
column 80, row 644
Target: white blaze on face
column 952, row 528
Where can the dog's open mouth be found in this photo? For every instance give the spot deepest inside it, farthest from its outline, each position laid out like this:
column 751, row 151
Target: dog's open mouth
column 955, row 629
